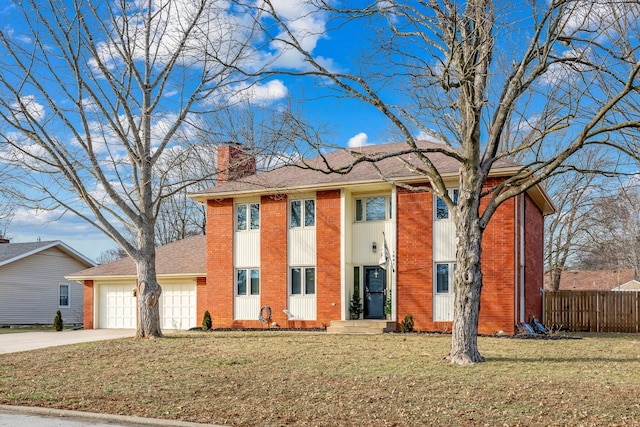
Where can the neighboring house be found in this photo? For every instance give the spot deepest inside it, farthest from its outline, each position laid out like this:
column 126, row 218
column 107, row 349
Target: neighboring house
column 109, row 289
column 301, row 240
column 597, row 280
column 33, row 285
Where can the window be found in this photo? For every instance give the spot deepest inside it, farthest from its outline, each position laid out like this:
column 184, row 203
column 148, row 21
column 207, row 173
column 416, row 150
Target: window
column 247, row 216
column 303, row 281
column 444, row 277
column 247, row 282
column 302, row 212
column 373, row 209
column 63, row 295
column 442, row 212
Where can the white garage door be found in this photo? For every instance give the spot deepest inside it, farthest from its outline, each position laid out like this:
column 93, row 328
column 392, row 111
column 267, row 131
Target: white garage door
column 116, row 306
column 178, row 306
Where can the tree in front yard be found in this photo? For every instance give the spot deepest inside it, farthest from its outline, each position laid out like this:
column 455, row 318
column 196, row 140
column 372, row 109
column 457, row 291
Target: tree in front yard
column 100, row 103
column 488, row 80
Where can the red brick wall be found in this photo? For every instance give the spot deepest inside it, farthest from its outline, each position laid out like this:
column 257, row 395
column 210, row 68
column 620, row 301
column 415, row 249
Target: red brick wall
column 217, row 294
column 415, row 265
column 273, row 258
column 534, row 259
column 498, row 270
column 328, row 283
column 414, row 278
column 203, row 299
column 88, row 304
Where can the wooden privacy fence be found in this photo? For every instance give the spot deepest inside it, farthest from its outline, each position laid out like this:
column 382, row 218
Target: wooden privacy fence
column 593, row 311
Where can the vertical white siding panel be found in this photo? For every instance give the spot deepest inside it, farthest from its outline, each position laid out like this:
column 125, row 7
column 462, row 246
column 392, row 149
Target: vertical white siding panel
column 444, row 241
column 246, row 249
column 246, row 308
column 302, row 246
column 364, row 234
column 303, row 307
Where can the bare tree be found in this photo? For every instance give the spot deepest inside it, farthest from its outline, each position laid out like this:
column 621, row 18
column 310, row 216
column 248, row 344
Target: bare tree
column 613, row 241
column 98, row 103
column 575, row 194
column 490, row 81
column 111, row 255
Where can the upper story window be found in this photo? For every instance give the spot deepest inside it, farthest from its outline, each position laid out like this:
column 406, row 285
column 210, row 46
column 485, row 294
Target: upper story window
column 442, row 212
column 247, row 216
column 373, row 208
column 302, row 213
column 63, row 295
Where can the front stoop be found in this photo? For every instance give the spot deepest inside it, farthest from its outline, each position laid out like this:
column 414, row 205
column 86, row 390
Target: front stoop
column 361, row 326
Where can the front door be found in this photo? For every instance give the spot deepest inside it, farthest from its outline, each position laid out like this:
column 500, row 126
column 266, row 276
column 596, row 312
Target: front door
column 375, row 285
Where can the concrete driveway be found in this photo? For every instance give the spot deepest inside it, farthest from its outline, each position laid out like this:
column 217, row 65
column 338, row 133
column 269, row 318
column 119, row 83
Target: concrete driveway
column 25, row 341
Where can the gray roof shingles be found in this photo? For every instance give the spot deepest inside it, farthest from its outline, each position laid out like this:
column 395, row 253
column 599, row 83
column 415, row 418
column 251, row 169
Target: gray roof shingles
column 316, row 173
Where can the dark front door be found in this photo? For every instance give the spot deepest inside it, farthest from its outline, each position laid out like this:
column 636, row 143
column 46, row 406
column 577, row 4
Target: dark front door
column 375, row 285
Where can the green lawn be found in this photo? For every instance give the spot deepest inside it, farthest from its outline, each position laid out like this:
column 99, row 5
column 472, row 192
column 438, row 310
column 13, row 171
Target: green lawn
column 296, row 378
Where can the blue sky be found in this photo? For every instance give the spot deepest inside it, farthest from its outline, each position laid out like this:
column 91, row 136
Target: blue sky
column 349, row 123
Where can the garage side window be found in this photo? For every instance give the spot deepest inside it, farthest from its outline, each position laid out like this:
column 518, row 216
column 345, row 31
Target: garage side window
column 64, row 296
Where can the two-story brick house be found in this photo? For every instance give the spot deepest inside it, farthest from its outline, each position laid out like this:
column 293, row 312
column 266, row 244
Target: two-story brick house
column 299, row 241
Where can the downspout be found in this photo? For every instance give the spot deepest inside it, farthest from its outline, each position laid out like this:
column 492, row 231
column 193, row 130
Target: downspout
column 516, row 262
column 394, row 251
column 343, row 242
column 521, row 259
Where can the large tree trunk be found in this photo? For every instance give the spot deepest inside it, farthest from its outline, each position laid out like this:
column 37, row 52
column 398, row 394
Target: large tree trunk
column 149, row 291
column 468, row 275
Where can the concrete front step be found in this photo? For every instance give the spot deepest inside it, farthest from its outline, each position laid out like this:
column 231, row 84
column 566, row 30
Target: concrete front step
column 360, row 326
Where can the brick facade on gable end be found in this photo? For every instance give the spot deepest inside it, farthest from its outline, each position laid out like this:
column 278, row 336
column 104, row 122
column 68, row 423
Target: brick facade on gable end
column 88, row 304
column 414, row 278
column 217, row 294
column 497, row 309
column 328, row 280
column 273, row 258
column 534, row 259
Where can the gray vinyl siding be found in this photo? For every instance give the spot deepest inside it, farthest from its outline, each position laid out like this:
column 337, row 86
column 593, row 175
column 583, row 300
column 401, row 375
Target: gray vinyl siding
column 29, row 289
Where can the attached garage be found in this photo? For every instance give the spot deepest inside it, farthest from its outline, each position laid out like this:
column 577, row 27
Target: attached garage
column 116, row 305
column 109, row 289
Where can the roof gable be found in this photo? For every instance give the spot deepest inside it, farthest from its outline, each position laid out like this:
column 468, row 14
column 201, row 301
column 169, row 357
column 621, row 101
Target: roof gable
column 11, row 252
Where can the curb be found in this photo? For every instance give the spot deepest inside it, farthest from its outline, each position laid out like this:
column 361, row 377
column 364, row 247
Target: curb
column 89, row 416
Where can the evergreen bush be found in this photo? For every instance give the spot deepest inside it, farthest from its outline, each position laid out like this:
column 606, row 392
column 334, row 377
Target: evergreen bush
column 355, row 308
column 206, row 321
column 57, row 321
column 407, row 324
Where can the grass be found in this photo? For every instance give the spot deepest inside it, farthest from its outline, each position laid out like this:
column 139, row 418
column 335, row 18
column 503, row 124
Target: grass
column 279, row 378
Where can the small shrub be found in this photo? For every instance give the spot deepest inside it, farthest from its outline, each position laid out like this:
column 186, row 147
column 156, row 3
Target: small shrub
column 57, row 321
column 206, row 321
column 355, row 308
column 407, row 324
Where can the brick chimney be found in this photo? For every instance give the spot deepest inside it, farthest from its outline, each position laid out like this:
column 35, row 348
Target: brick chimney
column 3, row 240
column 234, row 163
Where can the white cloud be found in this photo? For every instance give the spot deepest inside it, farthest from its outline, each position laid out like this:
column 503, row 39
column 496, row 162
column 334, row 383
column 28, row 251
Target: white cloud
column 29, row 109
column 256, row 94
column 359, row 140
column 306, row 22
